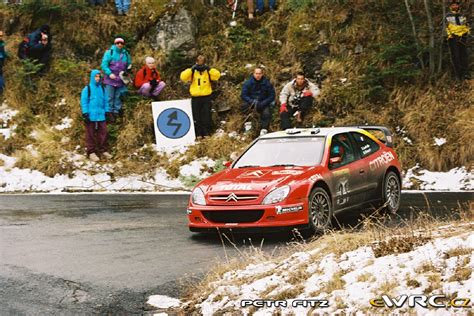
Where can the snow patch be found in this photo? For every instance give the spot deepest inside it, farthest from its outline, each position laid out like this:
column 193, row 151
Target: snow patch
column 162, row 301
column 439, row 141
column 456, row 179
column 66, row 122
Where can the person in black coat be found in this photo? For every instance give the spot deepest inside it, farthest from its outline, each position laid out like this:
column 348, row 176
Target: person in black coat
column 258, row 95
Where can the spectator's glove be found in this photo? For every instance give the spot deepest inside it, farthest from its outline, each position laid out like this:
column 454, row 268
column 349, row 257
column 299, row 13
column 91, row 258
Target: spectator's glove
column 85, row 116
column 153, row 83
column 283, row 108
column 307, row 93
column 254, row 104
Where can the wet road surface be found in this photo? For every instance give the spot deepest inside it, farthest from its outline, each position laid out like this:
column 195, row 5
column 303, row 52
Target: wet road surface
column 105, row 253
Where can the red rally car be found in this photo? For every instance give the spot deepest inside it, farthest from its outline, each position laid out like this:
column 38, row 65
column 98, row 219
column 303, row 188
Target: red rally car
column 299, row 178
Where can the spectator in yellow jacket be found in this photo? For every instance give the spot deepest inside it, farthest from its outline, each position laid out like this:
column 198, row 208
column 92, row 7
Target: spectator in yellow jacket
column 200, row 75
column 457, row 31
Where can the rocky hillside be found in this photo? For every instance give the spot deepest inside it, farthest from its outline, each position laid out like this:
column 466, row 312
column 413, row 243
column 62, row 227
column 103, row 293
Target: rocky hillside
column 362, row 53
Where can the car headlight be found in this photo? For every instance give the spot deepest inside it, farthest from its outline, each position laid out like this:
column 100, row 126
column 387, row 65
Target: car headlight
column 197, row 197
column 277, row 195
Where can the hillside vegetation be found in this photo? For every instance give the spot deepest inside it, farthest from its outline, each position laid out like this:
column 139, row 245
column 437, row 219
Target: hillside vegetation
column 362, row 53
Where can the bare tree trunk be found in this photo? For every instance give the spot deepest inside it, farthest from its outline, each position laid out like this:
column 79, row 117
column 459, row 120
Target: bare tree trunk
column 432, row 36
column 441, row 39
column 413, row 29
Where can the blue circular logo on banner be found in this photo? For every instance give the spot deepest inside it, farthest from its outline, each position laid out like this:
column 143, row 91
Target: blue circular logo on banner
column 173, row 123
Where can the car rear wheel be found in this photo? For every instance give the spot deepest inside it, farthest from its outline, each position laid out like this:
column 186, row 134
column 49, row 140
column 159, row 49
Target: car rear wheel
column 319, row 210
column 391, row 192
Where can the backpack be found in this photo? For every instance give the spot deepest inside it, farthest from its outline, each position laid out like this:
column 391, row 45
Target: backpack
column 89, row 91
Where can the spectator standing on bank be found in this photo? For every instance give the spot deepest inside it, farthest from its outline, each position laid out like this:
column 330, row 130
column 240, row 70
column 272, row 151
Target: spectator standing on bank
column 115, row 60
column 296, row 99
column 97, row 2
column 123, row 6
column 94, row 107
column 261, row 6
column 458, row 31
column 258, row 95
column 148, row 80
column 3, row 56
column 200, row 75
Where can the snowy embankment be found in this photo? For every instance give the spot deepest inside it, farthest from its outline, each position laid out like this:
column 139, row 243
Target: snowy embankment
column 89, row 176
column 442, row 264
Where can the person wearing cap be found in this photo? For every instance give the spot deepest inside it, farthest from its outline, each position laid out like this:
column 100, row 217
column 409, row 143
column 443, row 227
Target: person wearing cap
column 200, row 75
column 457, row 31
column 3, row 56
column 296, row 98
column 123, row 6
column 148, row 80
column 94, row 107
column 115, row 60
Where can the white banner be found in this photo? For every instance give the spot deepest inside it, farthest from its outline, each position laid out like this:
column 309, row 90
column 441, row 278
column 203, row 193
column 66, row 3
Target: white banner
column 173, row 121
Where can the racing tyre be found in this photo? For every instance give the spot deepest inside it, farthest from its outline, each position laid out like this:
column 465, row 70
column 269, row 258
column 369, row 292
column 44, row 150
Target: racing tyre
column 319, row 211
column 391, row 192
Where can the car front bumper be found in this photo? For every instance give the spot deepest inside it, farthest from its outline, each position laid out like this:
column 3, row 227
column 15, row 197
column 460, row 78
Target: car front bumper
column 248, row 217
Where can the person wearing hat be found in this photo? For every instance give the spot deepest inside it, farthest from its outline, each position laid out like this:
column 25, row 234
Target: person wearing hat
column 200, row 75
column 148, row 80
column 457, row 31
column 116, row 60
column 122, row 6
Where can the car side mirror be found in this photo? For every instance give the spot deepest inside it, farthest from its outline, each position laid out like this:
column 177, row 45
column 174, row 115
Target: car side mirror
column 334, row 160
column 227, row 164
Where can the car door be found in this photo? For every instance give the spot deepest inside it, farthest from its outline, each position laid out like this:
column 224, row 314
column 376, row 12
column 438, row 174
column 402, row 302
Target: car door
column 367, row 149
column 348, row 176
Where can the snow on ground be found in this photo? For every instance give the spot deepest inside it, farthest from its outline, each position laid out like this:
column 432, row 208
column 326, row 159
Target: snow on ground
column 439, row 141
column 66, row 122
column 13, row 179
column 195, row 168
column 349, row 281
column 457, row 179
column 6, row 114
column 161, row 301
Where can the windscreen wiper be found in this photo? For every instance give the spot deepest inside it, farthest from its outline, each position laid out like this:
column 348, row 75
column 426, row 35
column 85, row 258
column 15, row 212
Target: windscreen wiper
column 247, row 166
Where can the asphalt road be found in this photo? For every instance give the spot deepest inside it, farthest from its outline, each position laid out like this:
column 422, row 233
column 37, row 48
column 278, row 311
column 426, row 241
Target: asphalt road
column 105, row 253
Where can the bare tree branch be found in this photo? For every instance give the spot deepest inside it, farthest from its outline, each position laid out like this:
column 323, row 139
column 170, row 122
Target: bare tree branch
column 415, row 35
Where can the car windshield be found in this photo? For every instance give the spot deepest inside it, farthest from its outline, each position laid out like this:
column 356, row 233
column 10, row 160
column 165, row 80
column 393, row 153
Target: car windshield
column 290, row 151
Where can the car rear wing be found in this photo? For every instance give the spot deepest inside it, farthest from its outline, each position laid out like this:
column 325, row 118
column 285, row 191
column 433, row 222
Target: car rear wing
column 381, row 132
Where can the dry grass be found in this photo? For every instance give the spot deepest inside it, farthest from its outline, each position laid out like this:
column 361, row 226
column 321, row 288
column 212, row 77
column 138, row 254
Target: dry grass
column 366, row 277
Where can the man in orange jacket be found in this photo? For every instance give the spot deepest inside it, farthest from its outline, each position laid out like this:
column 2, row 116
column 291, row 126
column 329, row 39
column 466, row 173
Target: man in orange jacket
column 148, row 80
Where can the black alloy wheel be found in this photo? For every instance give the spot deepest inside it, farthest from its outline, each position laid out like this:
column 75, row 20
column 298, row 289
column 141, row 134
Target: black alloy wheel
column 391, row 192
column 319, row 210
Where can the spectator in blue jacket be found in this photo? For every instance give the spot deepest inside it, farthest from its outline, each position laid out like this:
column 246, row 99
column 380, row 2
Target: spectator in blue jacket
column 116, row 60
column 95, row 107
column 258, row 95
column 37, row 46
column 123, row 6
column 3, row 56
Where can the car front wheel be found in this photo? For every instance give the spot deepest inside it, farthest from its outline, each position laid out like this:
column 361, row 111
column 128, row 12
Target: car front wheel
column 391, row 192
column 319, row 210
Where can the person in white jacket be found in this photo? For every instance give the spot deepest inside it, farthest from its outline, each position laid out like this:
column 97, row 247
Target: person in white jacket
column 296, row 99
